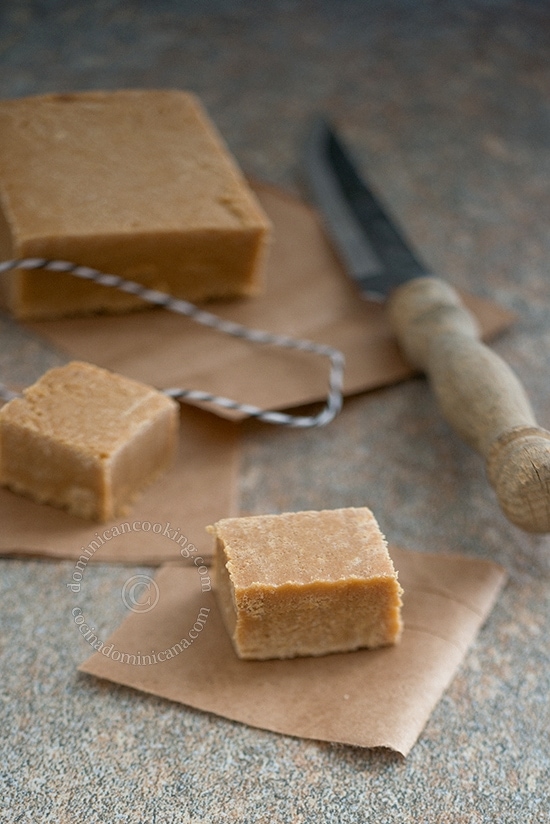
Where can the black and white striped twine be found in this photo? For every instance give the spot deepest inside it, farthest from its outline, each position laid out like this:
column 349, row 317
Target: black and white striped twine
column 334, row 397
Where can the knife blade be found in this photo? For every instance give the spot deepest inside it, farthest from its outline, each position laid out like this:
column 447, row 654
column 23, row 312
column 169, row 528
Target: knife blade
column 478, row 393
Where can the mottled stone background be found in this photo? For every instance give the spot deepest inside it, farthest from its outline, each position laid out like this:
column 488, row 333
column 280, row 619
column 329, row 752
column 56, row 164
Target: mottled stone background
column 447, row 104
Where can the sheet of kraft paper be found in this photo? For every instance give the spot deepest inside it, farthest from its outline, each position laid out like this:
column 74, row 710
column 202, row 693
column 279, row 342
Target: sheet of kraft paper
column 307, row 295
column 179, row 650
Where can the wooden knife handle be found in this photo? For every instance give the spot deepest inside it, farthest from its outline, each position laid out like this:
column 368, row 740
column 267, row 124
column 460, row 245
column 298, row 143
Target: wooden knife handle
column 479, row 395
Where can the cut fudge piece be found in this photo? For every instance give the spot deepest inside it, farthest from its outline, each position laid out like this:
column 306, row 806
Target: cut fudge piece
column 87, row 440
column 306, row 583
column 136, row 183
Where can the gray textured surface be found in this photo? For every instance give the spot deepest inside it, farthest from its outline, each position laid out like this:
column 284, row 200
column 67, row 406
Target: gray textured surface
column 447, row 104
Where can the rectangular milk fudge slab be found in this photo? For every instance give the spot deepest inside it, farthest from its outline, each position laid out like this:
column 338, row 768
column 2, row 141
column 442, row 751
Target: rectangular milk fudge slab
column 86, row 440
column 306, row 583
column 136, row 183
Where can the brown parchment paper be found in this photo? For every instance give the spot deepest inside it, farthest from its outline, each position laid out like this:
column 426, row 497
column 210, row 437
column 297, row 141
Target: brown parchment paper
column 307, row 295
column 378, row 698
column 199, row 488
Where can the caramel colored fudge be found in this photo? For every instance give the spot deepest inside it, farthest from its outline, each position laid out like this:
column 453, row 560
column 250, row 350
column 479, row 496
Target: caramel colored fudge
column 306, row 583
column 135, row 183
column 87, row 440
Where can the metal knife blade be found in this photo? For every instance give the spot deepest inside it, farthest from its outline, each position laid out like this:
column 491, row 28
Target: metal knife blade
column 478, row 393
column 374, row 251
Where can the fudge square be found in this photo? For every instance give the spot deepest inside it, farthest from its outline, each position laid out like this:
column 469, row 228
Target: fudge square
column 86, row 440
column 136, row 183
column 306, row 583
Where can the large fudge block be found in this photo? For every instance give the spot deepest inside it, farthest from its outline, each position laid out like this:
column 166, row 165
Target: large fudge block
column 136, row 183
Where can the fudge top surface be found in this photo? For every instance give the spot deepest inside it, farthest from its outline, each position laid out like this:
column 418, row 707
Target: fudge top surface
column 304, row 547
column 118, row 162
column 86, row 408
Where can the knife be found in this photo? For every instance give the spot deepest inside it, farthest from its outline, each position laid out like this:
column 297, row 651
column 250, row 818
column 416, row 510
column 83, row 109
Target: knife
column 479, row 395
